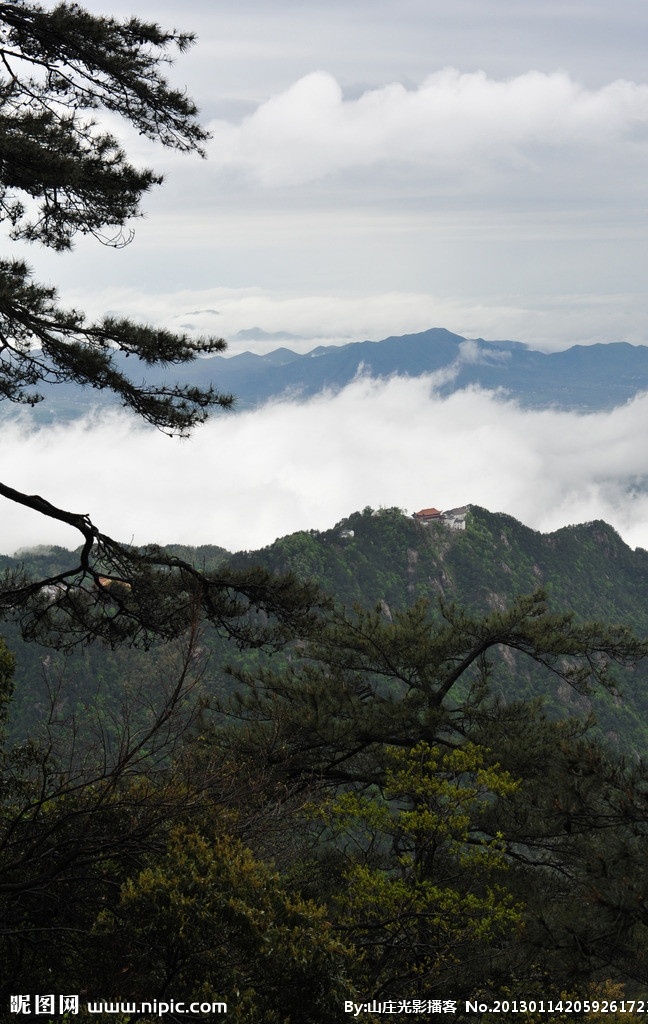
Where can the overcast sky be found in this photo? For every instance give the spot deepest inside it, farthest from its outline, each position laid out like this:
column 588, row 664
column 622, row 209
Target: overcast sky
column 390, row 166
column 377, row 168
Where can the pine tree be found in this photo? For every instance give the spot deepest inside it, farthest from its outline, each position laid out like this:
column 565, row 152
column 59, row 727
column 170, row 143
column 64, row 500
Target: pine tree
column 63, row 175
column 437, row 795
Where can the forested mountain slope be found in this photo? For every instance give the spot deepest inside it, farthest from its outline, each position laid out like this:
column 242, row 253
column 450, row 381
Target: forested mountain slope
column 385, row 557
column 411, row 791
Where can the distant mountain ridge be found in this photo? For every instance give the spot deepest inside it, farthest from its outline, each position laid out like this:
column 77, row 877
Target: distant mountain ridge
column 584, row 378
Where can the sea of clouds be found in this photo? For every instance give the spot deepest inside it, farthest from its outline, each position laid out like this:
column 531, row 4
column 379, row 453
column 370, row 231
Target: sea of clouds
column 247, row 478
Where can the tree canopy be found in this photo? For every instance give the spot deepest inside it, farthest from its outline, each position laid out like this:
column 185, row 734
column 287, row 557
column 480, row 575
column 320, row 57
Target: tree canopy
column 453, row 832
column 367, row 817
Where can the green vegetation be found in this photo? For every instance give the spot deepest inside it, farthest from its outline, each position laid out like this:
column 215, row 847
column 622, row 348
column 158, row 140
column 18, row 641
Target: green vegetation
column 364, row 814
column 385, row 558
column 358, row 764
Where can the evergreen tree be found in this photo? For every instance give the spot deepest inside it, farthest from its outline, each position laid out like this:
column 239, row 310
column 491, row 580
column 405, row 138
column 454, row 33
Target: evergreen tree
column 469, row 843
column 63, row 175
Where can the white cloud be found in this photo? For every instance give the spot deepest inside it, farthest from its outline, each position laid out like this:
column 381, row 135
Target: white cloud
column 451, row 121
column 247, row 478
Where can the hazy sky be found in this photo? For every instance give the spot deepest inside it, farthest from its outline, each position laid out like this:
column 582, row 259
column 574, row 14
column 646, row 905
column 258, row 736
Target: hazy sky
column 376, row 168
column 379, row 166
